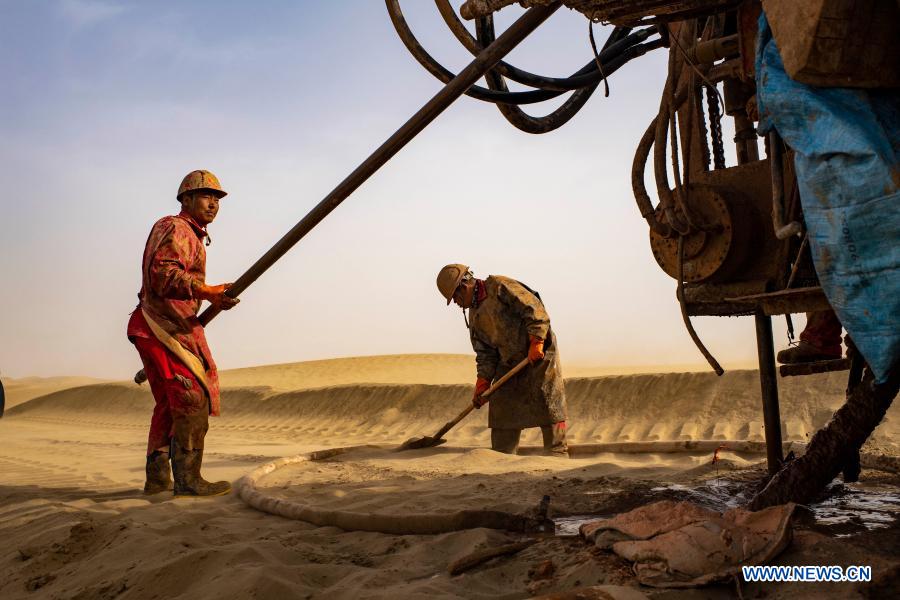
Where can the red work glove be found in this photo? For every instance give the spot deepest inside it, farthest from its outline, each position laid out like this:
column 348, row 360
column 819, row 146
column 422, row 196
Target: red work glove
column 535, row 349
column 481, row 386
column 215, row 294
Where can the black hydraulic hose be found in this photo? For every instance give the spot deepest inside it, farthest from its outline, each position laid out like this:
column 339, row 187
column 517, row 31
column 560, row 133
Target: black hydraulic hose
column 560, row 117
column 444, row 75
column 624, row 51
column 587, row 75
column 473, row 45
column 638, row 168
column 613, row 49
column 682, row 301
column 670, row 101
column 515, row 115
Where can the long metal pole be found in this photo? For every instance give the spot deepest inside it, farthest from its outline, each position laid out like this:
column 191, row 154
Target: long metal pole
column 457, row 86
column 769, row 385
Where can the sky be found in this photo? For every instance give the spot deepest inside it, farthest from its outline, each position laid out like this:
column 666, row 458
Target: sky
column 105, row 106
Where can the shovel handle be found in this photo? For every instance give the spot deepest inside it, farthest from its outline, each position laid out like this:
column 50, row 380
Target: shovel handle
column 509, row 375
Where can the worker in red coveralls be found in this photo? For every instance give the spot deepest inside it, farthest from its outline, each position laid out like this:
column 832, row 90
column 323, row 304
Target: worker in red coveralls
column 170, row 340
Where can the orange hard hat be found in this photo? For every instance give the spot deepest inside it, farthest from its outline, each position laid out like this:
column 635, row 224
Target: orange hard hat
column 200, row 180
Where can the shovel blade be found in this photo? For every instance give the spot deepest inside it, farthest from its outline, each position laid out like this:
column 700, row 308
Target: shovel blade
column 420, row 442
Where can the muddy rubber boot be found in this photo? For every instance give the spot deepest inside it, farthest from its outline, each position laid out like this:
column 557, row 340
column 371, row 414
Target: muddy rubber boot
column 505, row 440
column 159, row 475
column 188, row 482
column 555, row 440
column 804, row 352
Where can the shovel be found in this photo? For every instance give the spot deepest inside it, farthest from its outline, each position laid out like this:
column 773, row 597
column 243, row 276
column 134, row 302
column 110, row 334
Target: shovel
column 436, row 439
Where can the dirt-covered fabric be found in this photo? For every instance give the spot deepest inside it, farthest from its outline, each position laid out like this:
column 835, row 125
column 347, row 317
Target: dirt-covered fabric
column 176, row 391
column 499, row 327
column 644, row 522
column 678, row 544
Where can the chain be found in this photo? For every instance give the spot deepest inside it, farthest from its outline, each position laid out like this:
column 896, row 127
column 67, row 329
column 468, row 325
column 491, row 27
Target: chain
column 715, row 127
column 701, row 127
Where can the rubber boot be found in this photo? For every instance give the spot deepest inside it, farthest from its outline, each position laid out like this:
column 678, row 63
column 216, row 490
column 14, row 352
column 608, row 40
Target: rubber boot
column 804, row 352
column 187, row 458
column 505, row 440
column 555, row 440
column 188, row 482
column 159, row 475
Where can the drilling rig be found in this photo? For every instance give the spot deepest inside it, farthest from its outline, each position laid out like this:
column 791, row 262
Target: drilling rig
column 733, row 237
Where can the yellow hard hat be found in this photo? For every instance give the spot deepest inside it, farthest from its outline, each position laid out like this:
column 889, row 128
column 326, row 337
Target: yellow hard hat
column 200, row 180
column 448, row 279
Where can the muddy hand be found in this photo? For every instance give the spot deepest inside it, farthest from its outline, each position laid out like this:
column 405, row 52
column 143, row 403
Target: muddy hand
column 481, row 386
column 216, row 296
column 535, row 349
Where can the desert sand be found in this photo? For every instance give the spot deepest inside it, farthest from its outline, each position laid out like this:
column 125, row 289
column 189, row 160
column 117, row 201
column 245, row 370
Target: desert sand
column 75, row 525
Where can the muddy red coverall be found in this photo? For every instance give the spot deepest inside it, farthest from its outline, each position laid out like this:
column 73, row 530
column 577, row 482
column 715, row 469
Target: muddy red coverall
column 174, row 259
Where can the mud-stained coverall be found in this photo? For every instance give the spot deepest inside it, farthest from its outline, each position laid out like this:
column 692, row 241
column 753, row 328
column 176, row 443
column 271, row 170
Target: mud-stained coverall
column 499, row 327
column 174, row 258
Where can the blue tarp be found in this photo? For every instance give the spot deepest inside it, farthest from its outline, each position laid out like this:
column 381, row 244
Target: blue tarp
column 847, row 145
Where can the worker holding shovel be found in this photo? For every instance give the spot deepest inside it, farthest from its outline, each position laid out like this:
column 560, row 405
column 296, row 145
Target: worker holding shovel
column 507, row 323
column 172, row 344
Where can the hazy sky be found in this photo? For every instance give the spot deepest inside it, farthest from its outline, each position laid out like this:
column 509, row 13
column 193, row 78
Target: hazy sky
column 105, row 106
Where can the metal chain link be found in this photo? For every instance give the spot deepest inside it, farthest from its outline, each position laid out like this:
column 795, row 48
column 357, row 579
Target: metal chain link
column 701, row 127
column 715, row 127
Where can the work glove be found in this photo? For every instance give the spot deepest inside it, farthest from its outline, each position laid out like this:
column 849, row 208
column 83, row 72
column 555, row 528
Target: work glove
column 215, row 294
column 481, row 386
column 535, row 349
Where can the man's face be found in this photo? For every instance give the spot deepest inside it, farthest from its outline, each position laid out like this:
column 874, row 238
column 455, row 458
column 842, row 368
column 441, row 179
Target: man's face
column 203, row 206
column 464, row 293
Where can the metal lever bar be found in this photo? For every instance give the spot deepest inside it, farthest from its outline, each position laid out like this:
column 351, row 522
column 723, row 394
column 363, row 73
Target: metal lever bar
column 782, row 231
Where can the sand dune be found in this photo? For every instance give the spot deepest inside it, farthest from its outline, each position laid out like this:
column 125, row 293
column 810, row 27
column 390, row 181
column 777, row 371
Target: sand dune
column 403, row 368
column 76, row 526
column 24, row 389
column 620, row 408
column 393, row 368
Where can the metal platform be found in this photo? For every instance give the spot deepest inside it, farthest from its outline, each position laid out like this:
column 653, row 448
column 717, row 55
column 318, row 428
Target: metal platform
column 797, row 300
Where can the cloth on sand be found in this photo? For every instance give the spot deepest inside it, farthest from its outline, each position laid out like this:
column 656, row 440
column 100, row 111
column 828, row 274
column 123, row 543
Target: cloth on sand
column 678, row 544
column 644, row 522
